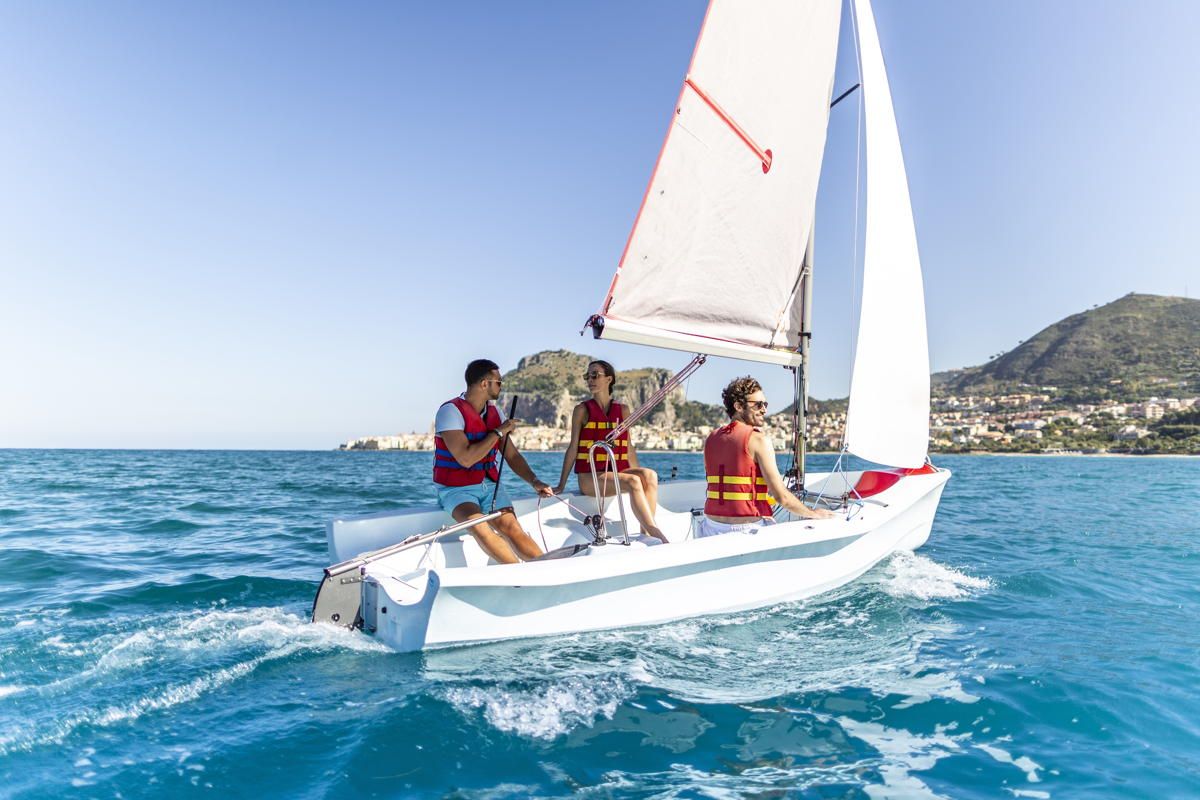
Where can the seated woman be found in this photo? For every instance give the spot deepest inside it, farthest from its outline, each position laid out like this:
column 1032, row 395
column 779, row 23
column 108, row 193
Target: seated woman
column 590, row 422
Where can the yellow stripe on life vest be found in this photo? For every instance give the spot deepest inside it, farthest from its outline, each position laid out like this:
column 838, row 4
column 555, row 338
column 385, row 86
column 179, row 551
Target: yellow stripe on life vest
column 736, row 480
column 742, row 496
column 733, row 480
column 731, row 496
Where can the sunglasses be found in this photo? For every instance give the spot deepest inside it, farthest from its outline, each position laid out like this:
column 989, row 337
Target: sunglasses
column 593, row 375
column 757, row 405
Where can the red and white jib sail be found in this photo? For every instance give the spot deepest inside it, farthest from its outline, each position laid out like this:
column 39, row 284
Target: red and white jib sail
column 887, row 420
column 713, row 261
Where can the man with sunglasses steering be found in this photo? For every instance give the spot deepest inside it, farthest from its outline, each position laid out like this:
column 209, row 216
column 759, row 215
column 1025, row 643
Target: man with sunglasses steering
column 469, row 432
column 739, row 462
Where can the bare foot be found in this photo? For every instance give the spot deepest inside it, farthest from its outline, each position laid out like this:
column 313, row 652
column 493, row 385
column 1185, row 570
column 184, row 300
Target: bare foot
column 656, row 533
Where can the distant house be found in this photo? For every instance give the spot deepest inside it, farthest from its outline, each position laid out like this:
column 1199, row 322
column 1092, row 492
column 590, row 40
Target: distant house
column 1130, row 432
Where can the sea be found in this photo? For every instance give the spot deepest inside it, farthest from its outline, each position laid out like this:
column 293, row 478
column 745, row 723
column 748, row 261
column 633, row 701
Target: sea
column 154, row 642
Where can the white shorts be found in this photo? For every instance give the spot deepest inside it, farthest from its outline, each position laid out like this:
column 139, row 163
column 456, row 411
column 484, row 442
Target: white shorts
column 710, row 527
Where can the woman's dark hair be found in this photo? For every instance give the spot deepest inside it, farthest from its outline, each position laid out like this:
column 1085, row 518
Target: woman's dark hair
column 737, row 391
column 608, row 371
column 479, row 369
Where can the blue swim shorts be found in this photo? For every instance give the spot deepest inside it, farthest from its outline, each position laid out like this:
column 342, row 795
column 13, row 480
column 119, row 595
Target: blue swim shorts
column 451, row 497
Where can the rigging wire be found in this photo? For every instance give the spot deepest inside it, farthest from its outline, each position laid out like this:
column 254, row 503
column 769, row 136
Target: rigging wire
column 656, row 397
column 858, row 162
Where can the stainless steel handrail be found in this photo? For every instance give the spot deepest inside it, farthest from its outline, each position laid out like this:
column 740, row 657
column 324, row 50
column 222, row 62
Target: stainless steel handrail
column 362, row 559
column 611, row 464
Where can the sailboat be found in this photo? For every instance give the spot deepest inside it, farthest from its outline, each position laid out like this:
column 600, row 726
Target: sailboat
column 719, row 263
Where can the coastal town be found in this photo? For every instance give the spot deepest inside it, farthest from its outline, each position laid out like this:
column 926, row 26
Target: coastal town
column 1036, row 421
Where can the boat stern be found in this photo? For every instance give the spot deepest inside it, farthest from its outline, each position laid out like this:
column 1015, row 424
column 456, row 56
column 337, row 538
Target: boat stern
column 397, row 609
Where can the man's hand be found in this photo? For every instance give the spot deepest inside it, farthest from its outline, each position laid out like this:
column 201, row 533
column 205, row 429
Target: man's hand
column 543, row 488
column 821, row 513
column 508, row 426
column 562, row 487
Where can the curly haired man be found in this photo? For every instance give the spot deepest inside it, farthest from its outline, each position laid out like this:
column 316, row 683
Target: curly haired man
column 739, row 461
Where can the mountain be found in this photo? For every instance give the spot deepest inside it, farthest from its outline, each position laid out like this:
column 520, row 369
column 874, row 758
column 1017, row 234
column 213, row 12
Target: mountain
column 1125, row 347
column 550, row 383
column 1131, row 347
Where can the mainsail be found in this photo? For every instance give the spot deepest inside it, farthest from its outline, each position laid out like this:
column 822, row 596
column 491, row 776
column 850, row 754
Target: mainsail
column 713, row 262
column 888, row 417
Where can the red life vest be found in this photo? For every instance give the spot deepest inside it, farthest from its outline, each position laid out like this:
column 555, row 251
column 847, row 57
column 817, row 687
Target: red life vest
column 735, row 489
column 446, row 469
column 596, row 426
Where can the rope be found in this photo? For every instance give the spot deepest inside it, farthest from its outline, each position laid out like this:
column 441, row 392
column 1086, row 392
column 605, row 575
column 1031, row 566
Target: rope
column 657, row 397
column 858, row 160
column 837, row 470
column 541, row 532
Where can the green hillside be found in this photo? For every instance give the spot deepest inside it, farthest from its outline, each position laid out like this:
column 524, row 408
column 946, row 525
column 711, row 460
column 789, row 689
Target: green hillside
column 1126, row 348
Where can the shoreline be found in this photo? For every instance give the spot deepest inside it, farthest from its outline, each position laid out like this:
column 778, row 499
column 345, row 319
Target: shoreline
column 1005, row 454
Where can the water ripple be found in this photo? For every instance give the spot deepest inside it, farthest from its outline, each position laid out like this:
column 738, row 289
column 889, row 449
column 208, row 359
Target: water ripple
column 153, row 637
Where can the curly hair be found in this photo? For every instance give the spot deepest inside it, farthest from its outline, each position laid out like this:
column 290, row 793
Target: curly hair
column 737, row 391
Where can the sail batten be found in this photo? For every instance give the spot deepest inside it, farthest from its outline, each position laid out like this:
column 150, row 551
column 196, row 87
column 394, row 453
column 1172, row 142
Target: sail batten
column 719, row 241
column 887, row 420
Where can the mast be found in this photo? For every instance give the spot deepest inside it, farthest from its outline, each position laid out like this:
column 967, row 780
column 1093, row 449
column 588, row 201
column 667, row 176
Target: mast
column 800, row 415
column 800, row 426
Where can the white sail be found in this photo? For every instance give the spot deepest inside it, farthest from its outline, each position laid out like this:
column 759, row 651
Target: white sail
column 713, row 261
column 888, row 417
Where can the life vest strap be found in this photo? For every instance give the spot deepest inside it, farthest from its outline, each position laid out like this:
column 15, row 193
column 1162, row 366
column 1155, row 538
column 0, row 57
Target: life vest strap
column 723, row 496
column 742, row 480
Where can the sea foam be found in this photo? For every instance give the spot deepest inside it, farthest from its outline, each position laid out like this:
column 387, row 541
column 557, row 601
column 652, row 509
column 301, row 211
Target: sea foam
column 189, row 642
column 911, row 575
column 544, row 712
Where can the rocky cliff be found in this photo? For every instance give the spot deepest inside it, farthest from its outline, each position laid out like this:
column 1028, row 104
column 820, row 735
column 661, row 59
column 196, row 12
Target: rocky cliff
column 549, row 384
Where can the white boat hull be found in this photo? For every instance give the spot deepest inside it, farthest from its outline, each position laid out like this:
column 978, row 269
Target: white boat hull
column 447, row 593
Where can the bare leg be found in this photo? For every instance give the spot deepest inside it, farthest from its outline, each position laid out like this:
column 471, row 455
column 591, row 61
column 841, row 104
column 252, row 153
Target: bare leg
column 631, row 485
column 524, row 544
column 649, row 483
column 492, row 543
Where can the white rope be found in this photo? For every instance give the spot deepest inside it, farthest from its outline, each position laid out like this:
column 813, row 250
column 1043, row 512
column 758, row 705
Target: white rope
column 541, row 532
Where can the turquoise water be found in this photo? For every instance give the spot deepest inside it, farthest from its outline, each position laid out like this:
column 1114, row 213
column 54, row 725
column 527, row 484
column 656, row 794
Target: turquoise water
column 153, row 642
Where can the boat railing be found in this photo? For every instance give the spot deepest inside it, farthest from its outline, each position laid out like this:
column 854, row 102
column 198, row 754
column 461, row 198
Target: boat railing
column 610, row 465
column 622, row 429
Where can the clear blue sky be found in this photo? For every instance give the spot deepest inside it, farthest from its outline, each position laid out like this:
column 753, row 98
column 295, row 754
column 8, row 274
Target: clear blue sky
column 284, row 225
